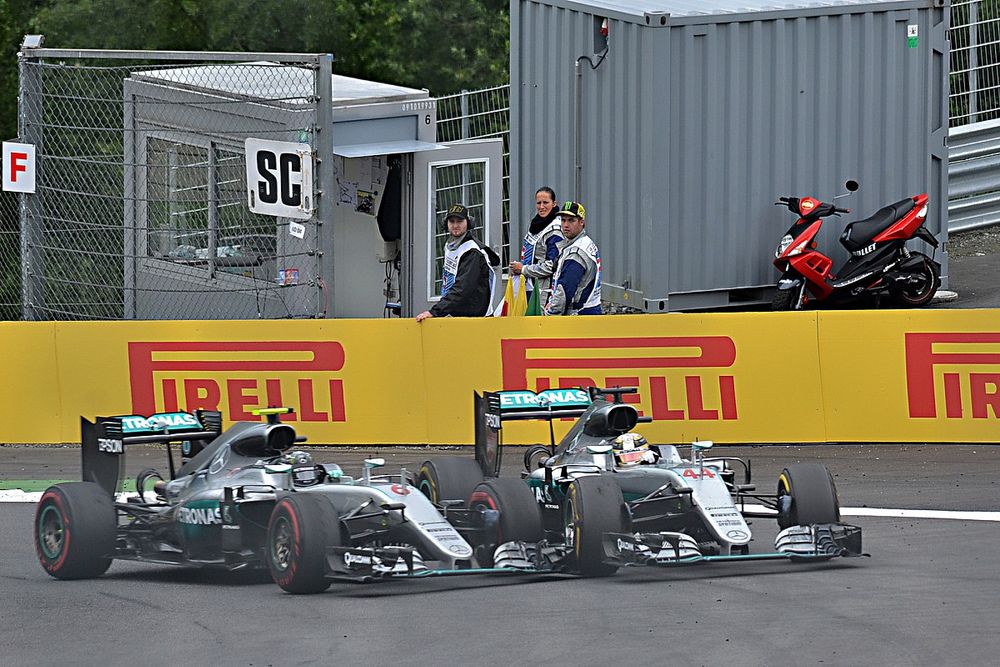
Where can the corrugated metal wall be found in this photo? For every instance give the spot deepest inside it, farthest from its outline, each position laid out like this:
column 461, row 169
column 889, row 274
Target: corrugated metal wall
column 691, row 131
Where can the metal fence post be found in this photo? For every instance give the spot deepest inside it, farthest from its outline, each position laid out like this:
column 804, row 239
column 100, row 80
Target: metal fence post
column 213, row 211
column 466, row 172
column 973, row 61
column 326, row 198
column 29, row 129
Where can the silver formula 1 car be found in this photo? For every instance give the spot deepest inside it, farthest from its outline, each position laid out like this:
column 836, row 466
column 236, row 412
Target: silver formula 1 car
column 604, row 497
column 244, row 498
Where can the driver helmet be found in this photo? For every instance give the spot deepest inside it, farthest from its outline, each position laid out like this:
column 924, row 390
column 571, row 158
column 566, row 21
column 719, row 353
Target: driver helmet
column 631, row 449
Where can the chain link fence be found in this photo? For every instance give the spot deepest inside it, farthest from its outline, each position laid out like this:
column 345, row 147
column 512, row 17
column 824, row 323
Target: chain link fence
column 140, row 209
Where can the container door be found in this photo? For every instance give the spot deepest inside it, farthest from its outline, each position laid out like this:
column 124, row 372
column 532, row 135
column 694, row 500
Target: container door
column 466, row 172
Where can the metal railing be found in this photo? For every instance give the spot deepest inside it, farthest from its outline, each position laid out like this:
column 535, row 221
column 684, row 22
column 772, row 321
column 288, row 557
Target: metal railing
column 975, row 61
column 481, row 114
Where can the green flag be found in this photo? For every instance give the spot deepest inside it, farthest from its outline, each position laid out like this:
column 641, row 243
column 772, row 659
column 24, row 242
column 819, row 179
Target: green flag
column 534, row 308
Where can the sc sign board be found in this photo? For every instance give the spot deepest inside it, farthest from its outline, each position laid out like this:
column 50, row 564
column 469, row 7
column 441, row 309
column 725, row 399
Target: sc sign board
column 279, row 178
column 18, row 167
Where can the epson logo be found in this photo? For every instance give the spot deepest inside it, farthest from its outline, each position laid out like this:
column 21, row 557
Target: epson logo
column 109, row 445
column 492, row 421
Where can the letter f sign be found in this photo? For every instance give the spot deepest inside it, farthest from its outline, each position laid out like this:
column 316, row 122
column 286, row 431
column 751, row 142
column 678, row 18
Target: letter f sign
column 18, row 167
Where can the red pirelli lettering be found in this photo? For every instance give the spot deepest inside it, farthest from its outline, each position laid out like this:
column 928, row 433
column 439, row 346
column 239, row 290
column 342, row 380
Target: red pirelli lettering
column 184, row 365
column 524, row 359
column 921, row 359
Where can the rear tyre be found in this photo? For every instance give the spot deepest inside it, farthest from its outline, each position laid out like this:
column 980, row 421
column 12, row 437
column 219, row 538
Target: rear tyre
column 535, row 457
column 919, row 293
column 449, row 478
column 519, row 517
column 594, row 506
column 75, row 526
column 806, row 495
column 302, row 526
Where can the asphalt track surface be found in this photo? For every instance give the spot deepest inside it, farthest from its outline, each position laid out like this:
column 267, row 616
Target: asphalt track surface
column 927, row 596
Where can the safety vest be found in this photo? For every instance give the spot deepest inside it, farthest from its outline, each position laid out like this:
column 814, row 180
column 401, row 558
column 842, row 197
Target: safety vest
column 450, row 272
column 585, row 248
column 538, row 241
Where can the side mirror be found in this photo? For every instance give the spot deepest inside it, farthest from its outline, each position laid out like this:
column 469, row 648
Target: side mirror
column 701, row 445
column 852, row 185
column 374, row 463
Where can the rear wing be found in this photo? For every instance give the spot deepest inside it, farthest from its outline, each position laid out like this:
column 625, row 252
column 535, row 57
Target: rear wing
column 492, row 409
column 104, row 441
column 495, row 407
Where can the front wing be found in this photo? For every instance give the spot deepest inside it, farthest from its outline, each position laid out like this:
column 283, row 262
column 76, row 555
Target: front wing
column 815, row 542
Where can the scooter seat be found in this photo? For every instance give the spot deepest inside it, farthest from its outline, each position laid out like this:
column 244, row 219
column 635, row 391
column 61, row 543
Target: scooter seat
column 860, row 233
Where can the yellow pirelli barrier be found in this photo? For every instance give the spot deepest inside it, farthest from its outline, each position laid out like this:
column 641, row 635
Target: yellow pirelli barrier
column 911, row 375
column 891, row 376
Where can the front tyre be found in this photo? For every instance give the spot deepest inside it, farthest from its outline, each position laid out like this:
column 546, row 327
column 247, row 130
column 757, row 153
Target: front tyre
column 448, row 478
column 921, row 289
column 807, row 495
column 789, row 299
column 519, row 518
column 302, row 526
column 594, row 506
column 75, row 526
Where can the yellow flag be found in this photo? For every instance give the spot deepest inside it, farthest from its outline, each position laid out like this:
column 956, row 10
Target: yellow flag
column 515, row 301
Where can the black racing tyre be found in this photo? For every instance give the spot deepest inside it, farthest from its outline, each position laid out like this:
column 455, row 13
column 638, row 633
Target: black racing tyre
column 520, row 518
column 594, row 506
column 302, row 526
column 535, row 457
column 806, row 495
column 75, row 527
column 448, row 478
column 919, row 293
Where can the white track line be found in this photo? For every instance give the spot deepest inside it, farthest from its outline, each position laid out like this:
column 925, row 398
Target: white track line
column 18, row 496
column 899, row 513
column 920, row 514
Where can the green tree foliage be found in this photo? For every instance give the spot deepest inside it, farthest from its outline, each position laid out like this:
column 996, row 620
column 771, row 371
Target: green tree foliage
column 441, row 45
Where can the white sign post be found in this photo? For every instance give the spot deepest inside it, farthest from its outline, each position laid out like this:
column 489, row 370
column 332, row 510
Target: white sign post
column 18, row 167
column 279, row 178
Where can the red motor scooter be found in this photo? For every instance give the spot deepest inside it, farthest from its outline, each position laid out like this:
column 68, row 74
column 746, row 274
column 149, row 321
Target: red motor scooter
column 880, row 263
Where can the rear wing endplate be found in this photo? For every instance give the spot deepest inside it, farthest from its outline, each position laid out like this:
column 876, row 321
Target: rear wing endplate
column 103, row 442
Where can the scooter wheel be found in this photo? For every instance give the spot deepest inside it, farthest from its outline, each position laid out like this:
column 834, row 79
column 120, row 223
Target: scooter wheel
column 787, row 299
column 920, row 292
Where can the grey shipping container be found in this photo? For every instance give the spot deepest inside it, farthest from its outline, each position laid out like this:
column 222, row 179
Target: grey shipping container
column 681, row 126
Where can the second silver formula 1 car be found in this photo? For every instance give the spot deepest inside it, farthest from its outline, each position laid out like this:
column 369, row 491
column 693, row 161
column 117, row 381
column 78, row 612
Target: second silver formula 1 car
column 605, row 498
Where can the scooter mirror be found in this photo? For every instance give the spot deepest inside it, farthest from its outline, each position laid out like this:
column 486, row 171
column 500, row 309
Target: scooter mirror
column 852, row 185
